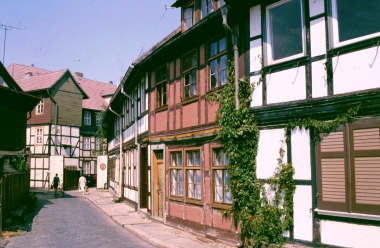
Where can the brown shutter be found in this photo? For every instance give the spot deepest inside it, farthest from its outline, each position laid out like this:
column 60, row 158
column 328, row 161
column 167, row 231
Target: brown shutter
column 332, row 171
column 365, row 173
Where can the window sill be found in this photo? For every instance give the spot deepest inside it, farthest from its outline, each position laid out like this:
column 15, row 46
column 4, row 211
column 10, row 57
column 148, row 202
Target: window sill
column 176, row 198
column 221, row 206
column 215, row 90
column 347, row 215
column 194, row 202
column 162, row 108
column 189, row 100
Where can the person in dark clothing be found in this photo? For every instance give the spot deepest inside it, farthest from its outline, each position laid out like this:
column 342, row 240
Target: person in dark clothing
column 55, row 184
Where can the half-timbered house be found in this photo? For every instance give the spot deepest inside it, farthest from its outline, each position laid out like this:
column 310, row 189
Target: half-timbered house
column 61, row 130
column 314, row 58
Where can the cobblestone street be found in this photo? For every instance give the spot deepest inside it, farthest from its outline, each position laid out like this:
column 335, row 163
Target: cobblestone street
column 72, row 221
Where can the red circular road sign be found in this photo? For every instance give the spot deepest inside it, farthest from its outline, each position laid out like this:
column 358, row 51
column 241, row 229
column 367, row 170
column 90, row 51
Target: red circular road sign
column 102, row 166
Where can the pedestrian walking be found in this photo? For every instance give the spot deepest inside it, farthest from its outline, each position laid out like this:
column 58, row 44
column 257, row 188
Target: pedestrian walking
column 82, row 183
column 55, row 185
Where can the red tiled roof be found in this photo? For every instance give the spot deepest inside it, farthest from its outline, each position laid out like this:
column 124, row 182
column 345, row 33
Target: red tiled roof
column 18, row 71
column 40, row 82
column 95, row 91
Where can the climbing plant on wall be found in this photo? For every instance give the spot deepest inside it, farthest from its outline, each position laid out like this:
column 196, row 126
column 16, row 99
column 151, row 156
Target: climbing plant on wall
column 262, row 220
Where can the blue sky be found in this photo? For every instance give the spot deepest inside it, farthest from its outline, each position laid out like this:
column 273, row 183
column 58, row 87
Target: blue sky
column 99, row 38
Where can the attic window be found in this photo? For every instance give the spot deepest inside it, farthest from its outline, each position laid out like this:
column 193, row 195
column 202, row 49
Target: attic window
column 188, row 16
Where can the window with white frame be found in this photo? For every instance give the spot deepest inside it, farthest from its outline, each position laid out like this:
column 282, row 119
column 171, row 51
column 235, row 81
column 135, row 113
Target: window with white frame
column 354, row 20
column 87, row 118
column 40, row 107
column 285, row 31
column 86, row 143
column 176, row 177
column 218, row 63
column 193, row 174
column 221, row 176
column 188, row 16
column 97, row 143
column 161, row 87
column 39, row 135
column 190, row 74
column 207, row 6
column 86, row 167
column 98, row 119
column 142, row 93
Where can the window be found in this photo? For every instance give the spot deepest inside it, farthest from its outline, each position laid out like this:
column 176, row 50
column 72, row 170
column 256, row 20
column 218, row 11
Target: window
column 206, row 7
column 86, row 143
column 221, row 176
column 97, row 144
column 142, row 95
column 221, row 3
column 87, row 118
column 40, row 107
column 354, row 21
column 176, row 182
column 193, row 174
column 188, row 15
column 161, row 86
column 190, row 74
column 218, row 63
column 39, row 135
column 348, row 169
column 86, row 168
column 286, row 35
column 98, row 119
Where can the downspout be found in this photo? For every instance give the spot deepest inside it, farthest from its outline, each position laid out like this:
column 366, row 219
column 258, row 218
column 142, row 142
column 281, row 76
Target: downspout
column 121, row 164
column 224, row 11
column 55, row 122
column 137, row 147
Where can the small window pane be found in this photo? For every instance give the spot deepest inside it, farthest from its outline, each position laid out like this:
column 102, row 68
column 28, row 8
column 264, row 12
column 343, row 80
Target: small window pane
column 214, row 73
column 197, row 159
column 222, row 45
column 357, row 18
column 213, row 49
column 223, row 70
column 286, row 30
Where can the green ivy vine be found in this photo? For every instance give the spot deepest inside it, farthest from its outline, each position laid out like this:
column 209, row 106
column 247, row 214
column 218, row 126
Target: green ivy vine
column 263, row 213
column 262, row 219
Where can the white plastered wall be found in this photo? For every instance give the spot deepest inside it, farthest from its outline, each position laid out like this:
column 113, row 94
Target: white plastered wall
column 356, row 71
column 287, row 85
column 349, row 235
column 301, row 160
column 56, row 167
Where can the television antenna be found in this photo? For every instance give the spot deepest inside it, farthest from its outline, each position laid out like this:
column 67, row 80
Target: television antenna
column 6, row 28
column 166, row 8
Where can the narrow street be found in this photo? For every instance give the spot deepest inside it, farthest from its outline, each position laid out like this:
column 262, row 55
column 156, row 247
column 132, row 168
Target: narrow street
column 73, row 221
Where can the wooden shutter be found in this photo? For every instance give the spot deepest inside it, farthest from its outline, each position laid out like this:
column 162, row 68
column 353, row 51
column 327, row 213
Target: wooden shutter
column 365, row 169
column 332, row 172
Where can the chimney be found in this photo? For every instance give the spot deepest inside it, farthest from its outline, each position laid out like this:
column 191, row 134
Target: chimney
column 111, row 83
column 78, row 74
column 28, row 74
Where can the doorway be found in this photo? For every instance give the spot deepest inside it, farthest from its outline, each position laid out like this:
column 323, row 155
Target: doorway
column 158, row 183
column 143, row 178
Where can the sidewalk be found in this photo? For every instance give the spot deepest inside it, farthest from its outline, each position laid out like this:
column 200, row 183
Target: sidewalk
column 151, row 231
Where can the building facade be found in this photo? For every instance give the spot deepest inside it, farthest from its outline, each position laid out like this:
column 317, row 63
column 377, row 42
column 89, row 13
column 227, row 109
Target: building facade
column 58, row 135
column 313, row 58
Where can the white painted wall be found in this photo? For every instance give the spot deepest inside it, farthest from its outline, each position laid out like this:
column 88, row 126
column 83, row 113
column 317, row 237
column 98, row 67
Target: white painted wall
column 318, row 37
column 303, row 218
column 357, row 71
column 257, row 94
column 349, row 235
column 255, row 21
column 255, row 55
column 319, row 79
column 268, row 152
column 300, row 139
column 56, row 167
column 101, row 177
column 316, row 7
column 287, row 85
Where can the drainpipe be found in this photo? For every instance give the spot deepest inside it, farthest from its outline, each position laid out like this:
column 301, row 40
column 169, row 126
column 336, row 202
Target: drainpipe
column 121, row 164
column 224, row 11
column 56, row 121
column 137, row 146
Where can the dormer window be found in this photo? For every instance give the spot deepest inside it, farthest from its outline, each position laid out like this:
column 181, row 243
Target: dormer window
column 188, row 17
column 40, row 107
column 206, row 7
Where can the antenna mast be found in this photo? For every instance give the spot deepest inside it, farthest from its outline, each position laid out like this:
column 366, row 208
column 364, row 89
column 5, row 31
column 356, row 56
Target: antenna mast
column 6, row 27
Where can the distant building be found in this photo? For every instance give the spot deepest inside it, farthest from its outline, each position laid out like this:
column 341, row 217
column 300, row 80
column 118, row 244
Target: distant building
column 61, row 129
